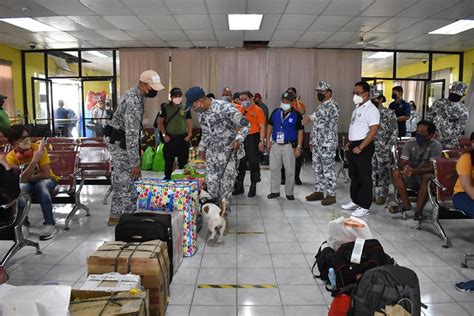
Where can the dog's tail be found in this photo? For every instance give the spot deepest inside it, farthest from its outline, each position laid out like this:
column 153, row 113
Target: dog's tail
column 223, row 207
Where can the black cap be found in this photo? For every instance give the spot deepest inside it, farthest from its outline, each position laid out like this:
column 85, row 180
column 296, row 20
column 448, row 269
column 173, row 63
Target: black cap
column 288, row 95
column 236, row 95
column 192, row 95
column 176, row 92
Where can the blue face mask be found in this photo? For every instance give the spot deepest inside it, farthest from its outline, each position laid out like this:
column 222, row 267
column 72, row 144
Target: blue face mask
column 245, row 103
column 226, row 98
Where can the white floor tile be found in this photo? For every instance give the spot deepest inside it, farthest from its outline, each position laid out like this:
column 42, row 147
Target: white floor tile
column 258, row 297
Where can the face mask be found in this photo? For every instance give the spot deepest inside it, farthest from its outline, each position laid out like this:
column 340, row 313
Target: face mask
column 25, row 144
column 453, row 97
column 394, row 96
column 245, row 103
column 177, row 101
column 357, row 99
column 285, row 106
column 420, row 139
column 226, row 98
column 151, row 93
column 321, row 96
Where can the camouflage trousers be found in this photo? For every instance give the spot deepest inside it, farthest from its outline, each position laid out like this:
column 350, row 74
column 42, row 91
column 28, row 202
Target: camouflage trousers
column 221, row 185
column 324, row 168
column 381, row 170
column 124, row 197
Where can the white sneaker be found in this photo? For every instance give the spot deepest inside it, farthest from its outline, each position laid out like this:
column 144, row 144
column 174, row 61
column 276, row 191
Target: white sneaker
column 349, row 206
column 360, row 212
column 48, row 232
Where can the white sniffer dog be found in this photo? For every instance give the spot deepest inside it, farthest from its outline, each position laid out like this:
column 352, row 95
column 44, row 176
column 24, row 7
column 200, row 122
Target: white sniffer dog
column 215, row 216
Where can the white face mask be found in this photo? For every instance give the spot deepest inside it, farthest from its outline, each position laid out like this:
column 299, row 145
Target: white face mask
column 177, row 101
column 357, row 99
column 285, row 106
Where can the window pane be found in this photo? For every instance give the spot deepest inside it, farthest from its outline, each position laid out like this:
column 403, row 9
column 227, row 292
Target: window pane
column 446, row 66
column 377, row 64
column 412, row 65
column 97, row 63
column 63, row 64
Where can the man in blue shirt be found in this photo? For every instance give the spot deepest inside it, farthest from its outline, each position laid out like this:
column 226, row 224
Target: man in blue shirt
column 402, row 110
column 285, row 140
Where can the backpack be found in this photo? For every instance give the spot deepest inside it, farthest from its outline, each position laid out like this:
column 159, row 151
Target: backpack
column 347, row 272
column 324, row 261
column 386, row 285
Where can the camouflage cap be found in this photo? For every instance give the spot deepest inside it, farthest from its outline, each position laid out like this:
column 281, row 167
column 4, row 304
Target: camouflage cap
column 323, row 85
column 458, row 88
column 374, row 93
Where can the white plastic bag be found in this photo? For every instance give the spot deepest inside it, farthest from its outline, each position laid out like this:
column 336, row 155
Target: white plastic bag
column 343, row 230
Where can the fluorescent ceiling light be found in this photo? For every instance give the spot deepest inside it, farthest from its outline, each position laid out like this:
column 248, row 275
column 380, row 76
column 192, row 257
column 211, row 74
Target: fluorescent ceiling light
column 380, row 55
column 97, row 54
column 455, row 27
column 244, row 22
column 30, row 24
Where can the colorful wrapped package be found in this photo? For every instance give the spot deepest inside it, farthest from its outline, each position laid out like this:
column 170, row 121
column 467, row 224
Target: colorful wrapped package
column 173, row 196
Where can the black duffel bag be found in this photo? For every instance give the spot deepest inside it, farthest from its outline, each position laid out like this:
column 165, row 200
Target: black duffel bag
column 324, row 259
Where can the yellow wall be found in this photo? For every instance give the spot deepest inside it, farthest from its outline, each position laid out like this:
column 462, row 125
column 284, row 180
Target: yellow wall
column 14, row 56
column 468, row 66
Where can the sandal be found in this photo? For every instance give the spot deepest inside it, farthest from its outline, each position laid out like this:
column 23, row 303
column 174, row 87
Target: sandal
column 419, row 217
column 398, row 209
column 465, row 286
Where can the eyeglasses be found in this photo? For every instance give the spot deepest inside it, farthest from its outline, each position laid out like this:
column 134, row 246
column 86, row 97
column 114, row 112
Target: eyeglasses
column 23, row 137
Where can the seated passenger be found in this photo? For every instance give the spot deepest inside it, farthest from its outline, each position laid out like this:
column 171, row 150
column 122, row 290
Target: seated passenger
column 416, row 169
column 463, row 198
column 37, row 177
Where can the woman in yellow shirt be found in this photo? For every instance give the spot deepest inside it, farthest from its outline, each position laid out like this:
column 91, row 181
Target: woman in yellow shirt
column 463, row 198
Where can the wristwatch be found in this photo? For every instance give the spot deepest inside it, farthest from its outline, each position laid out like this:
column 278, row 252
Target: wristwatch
column 299, row 146
column 164, row 135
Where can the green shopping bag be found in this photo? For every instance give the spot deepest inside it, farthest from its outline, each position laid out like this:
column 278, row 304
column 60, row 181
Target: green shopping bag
column 147, row 159
column 159, row 160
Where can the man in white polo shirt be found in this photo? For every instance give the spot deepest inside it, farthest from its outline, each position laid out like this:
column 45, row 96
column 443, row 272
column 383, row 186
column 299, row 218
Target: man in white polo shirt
column 365, row 121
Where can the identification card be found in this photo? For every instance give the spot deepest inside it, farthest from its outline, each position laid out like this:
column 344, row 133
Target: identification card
column 280, row 138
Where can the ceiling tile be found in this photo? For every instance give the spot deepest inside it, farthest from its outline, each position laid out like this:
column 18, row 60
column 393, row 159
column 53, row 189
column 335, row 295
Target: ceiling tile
column 143, row 35
column 11, row 29
column 286, row 35
column 102, row 43
column 258, row 35
column 194, row 22
column 200, row 35
column 66, row 7
column 129, row 23
column 305, row 44
column 128, row 44
column 88, row 35
column 180, row 44
column 146, row 7
column 171, row 35
column 426, row 8
column 229, row 35
column 306, row 6
column 331, row 45
column 9, row 13
column 10, row 39
column 270, row 22
column 161, row 23
column 61, row 23
column 362, row 24
column 59, row 36
column 154, row 43
column 219, row 22
column 225, row 6
column 460, row 11
column 106, row 7
column 281, row 43
column 394, row 25
column 231, row 43
column 387, row 7
column 266, row 6
column 315, row 37
column 61, row 45
column 115, row 35
column 426, row 26
column 205, row 43
column 34, row 8
column 329, row 23
column 346, row 8
column 295, row 22
column 388, row 38
column 93, row 22
column 186, row 6
column 340, row 37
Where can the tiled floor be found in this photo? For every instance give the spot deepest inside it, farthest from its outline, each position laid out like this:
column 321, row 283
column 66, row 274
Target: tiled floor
column 291, row 232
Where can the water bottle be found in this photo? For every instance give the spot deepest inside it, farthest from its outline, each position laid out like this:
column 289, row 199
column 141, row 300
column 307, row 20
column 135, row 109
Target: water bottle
column 332, row 277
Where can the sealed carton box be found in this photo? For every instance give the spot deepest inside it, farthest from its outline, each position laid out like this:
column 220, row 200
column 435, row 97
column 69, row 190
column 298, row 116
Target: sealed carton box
column 111, row 282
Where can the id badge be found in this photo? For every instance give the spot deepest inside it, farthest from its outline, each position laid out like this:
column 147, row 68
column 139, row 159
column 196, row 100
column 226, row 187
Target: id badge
column 280, row 138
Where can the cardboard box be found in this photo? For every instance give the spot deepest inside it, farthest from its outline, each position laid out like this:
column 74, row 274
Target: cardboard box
column 148, row 259
column 111, row 282
column 93, row 303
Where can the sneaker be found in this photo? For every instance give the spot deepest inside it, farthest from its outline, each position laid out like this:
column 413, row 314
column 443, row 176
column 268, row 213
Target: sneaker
column 465, row 286
column 315, row 196
column 360, row 212
column 113, row 221
column 48, row 232
column 349, row 206
column 290, row 197
column 273, row 195
column 298, row 181
column 328, row 200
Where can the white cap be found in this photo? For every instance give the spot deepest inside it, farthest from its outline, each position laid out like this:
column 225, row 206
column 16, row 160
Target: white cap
column 152, row 78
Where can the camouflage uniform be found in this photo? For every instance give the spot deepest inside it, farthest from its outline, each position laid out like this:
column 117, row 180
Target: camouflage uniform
column 128, row 118
column 449, row 117
column 221, row 124
column 323, row 139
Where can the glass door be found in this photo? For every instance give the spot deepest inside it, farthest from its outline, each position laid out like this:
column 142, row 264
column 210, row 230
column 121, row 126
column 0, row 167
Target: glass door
column 97, row 96
column 41, row 101
column 434, row 90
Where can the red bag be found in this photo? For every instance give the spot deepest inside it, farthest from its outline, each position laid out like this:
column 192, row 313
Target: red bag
column 340, row 306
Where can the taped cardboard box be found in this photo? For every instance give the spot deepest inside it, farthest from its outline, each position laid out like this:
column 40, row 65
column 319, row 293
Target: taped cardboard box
column 111, row 282
column 93, row 303
column 148, row 259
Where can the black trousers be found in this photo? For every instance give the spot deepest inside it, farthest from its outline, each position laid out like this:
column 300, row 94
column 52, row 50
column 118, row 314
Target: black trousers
column 360, row 172
column 177, row 147
column 252, row 157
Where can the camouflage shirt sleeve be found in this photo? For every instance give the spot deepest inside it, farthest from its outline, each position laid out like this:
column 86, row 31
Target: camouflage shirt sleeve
column 204, row 142
column 240, row 122
column 133, row 120
column 394, row 124
column 431, row 111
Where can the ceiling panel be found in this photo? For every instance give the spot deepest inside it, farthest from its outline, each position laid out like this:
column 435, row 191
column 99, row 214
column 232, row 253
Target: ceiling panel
column 346, row 8
column 315, row 37
column 426, row 26
column 131, row 43
column 186, row 6
column 225, row 6
column 154, row 43
column 231, row 43
column 93, row 22
column 295, row 22
column 180, row 44
column 205, row 43
column 102, row 43
column 34, row 8
column 64, row 45
column 171, row 35
column 459, row 11
column 426, row 8
column 66, row 7
column 394, row 25
column 200, row 35
column 194, row 22
column 329, row 23
column 229, row 35
column 88, row 35
column 61, row 23
column 281, row 44
column 387, row 7
column 143, row 35
column 306, row 6
column 161, row 22
column 115, row 35
column 146, row 7
column 59, row 36
column 9, row 13
column 286, row 35
column 219, row 22
column 129, row 23
column 106, row 7
column 305, row 44
column 362, row 24
column 270, row 22
column 11, row 29
column 258, row 35
column 331, row 45
column 384, row 38
column 341, row 37
column 266, row 6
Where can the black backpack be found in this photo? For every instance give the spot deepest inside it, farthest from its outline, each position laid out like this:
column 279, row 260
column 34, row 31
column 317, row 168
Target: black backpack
column 386, row 285
column 324, row 261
